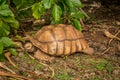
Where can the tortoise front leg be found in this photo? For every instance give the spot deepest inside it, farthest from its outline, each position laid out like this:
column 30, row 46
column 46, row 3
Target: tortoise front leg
column 42, row 56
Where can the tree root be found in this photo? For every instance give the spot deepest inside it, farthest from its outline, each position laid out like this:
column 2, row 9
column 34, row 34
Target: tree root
column 108, row 34
column 14, row 75
column 6, row 68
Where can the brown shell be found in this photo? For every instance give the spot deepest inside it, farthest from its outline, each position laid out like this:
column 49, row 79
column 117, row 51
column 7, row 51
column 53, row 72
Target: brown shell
column 60, row 40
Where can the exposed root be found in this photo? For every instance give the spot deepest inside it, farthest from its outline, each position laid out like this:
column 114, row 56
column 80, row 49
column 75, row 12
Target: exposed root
column 108, row 34
column 7, row 55
column 14, row 75
column 5, row 67
column 115, row 35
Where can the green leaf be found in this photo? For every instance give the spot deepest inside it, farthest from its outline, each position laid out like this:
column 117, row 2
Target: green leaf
column 15, row 25
column 13, row 51
column 8, row 19
column 77, row 14
column 48, row 3
column 56, row 13
column 38, row 10
column 21, row 4
column 62, row 5
column 2, row 57
column 4, row 29
column 69, row 3
column 2, row 2
column 18, row 3
column 76, row 3
column 1, row 47
column 5, row 11
column 7, row 42
column 77, row 24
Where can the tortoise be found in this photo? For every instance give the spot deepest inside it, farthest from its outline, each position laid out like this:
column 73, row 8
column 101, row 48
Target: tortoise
column 57, row 40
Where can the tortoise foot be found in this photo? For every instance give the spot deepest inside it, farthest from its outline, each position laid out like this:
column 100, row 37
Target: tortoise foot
column 42, row 56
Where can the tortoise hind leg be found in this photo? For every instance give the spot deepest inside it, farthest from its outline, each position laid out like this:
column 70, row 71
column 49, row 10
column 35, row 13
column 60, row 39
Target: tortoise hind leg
column 42, row 56
column 89, row 51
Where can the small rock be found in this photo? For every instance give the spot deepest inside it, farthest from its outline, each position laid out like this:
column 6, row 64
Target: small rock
column 21, row 54
column 39, row 72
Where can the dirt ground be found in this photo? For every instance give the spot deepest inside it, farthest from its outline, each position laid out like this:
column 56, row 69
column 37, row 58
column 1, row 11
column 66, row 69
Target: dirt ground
column 103, row 65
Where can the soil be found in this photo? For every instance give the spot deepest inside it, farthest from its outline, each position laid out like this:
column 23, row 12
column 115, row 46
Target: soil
column 104, row 64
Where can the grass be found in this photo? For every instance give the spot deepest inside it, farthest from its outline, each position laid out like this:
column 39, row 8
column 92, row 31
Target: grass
column 38, row 67
column 63, row 76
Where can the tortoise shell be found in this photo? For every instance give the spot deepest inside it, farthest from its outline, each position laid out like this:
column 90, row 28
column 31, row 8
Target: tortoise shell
column 59, row 40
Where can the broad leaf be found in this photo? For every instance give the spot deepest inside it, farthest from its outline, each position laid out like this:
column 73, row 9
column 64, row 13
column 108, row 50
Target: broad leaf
column 13, row 51
column 2, row 2
column 15, row 25
column 8, row 19
column 56, row 13
column 7, row 42
column 77, row 14
column 69, row 3
column 2, row 57
column 77, row 24
column 18, row 3
column 22, row 4
column 38, row 10
column 76, row 3
column 1, row 47
column 4, row 29
column 48, row 3
column 5, row 11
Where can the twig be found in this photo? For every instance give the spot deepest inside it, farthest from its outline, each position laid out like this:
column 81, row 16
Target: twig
column 106, row 50
column 108, row 34
column 115, row 35
column 25, row 8
column 81, row 21
column 84, row 13
column 5, row 67
column 14, row 75
column 53, row 73
column 7, row 55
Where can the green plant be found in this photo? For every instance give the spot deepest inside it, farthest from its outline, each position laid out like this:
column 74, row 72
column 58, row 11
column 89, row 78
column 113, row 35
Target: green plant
column 63, row 76
column 6, row 44
column 7, row 23
column 7, row 19
column 100, row 64
column 60, row 10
